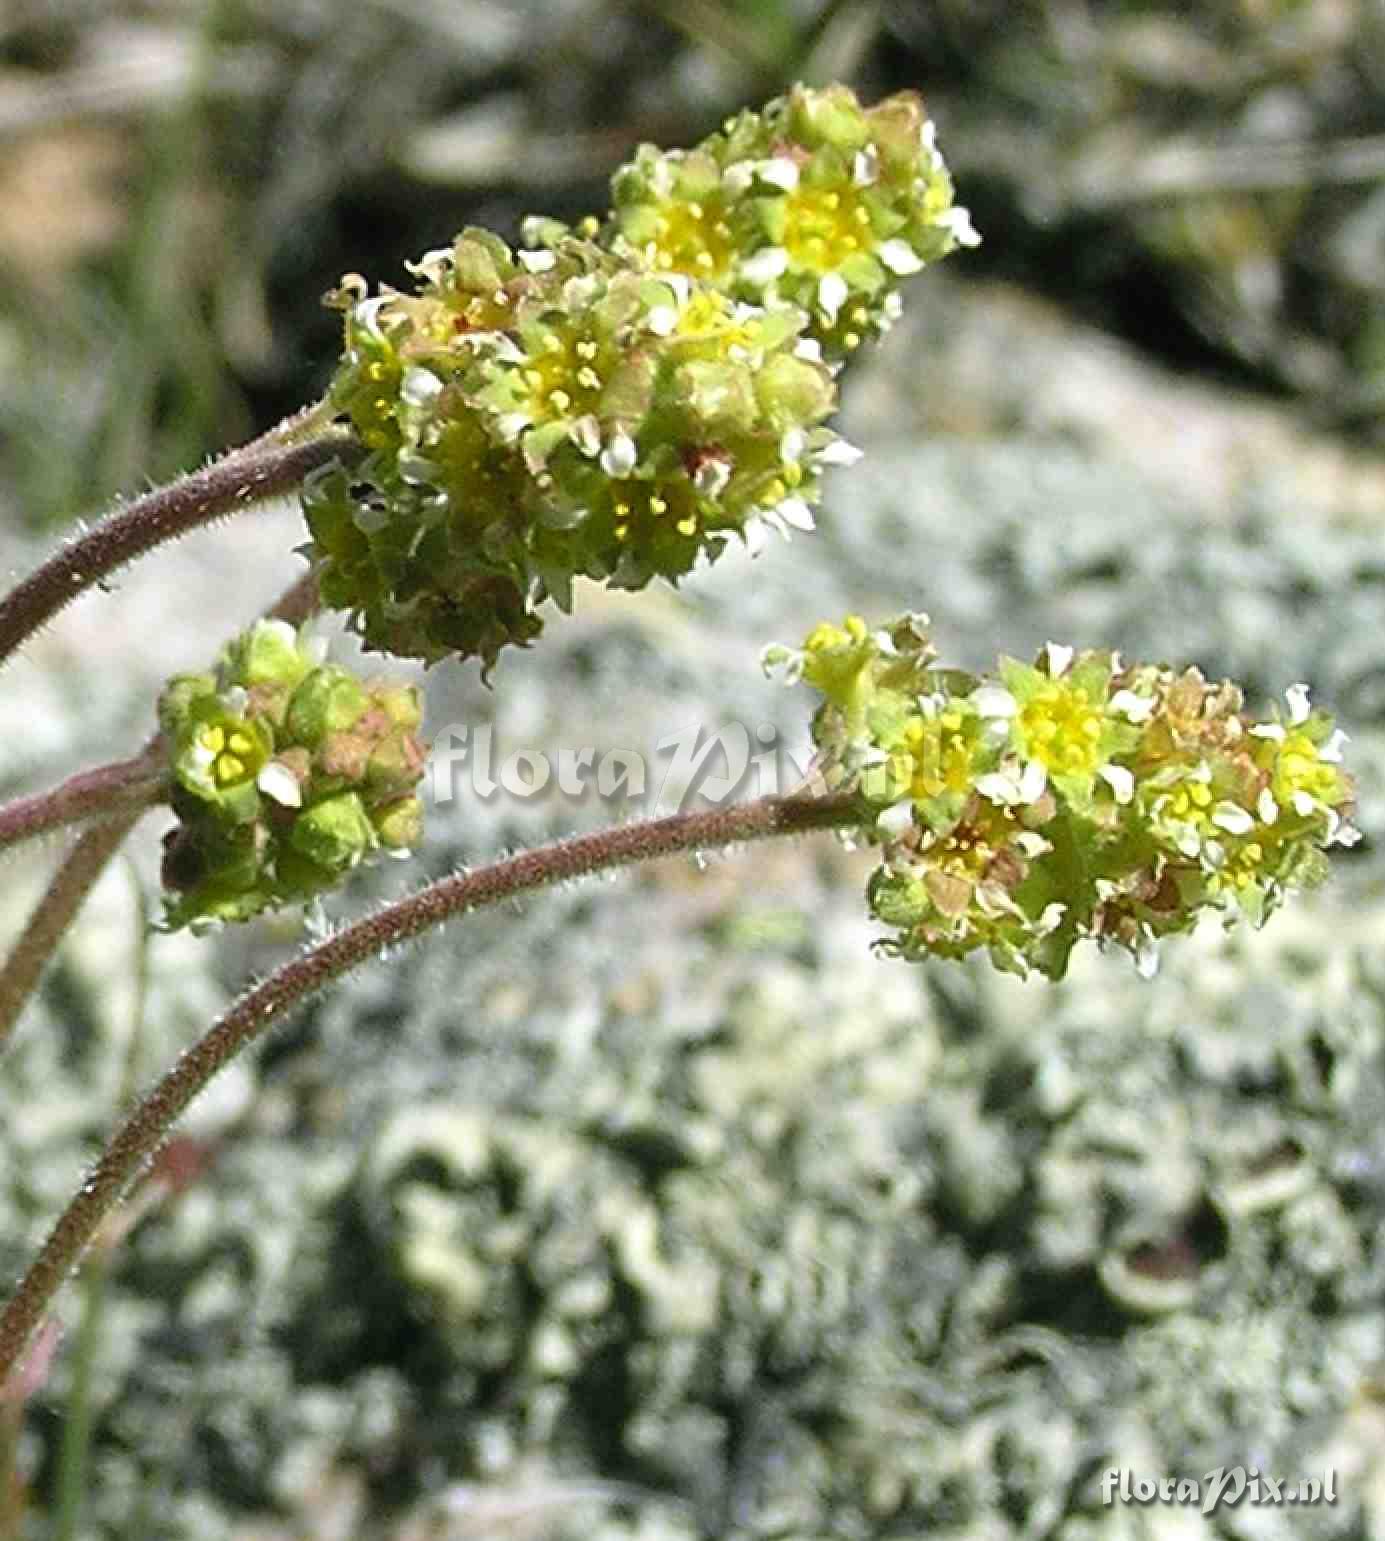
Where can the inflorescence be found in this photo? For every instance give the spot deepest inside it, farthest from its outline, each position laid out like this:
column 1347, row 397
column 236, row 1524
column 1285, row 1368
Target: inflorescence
column 617, row 400
column 287, row 771
column 1078, row 796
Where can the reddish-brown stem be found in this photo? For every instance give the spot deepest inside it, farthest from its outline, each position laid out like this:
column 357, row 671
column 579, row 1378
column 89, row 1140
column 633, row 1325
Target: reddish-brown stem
column 245, row 477
column 87, row 859
column 123, row 787
column 54, row 913
column 261, row 1007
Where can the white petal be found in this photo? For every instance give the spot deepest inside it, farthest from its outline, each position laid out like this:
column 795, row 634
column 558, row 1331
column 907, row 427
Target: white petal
column 755, row 536
column 681, row 285
column 997, row 787
column 279, row 782
column 957, row 221
column 1331, row 751
column 1059, row 657
column 779, row 172
column 808, row 348
column 1232, row 818
column 661, row 320
column 832, row 293
column 1051, row 918
column 1270, row 730
column 1186, row 839
column 765, row 266
column 792, row 445
column 419, row 387
column 619, row 457
column 1147, row 958
column 1033, row 782
column 1134, row 708
column 736, row 179
column 1266, row 806
column 1032, row 843
column 795, row 511
column 899, row 257
column 865, row 167
column 896, row 821
column 837, row 453
column 1304, row 804
column 993, row 701
column 1120, row 780
column 1297, row 697
column 585, row 433
column 367, row 313
column 535, row 261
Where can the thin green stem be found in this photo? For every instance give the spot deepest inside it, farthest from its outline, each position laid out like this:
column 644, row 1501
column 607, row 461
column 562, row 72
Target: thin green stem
column 76, row 1440
column 74, row 1454
column 267, row 468
column 261, row 1007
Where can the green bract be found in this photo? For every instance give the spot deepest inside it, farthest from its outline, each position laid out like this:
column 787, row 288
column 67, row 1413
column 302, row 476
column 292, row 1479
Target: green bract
column 1075, row 797
column 287, row 771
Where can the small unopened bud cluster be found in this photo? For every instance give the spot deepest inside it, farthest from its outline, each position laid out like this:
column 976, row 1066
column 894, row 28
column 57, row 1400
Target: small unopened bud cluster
column 1074, row 797
column 287, row 771
column 619, row 401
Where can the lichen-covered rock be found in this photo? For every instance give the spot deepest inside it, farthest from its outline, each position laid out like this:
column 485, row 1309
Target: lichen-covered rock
column 663, row 1209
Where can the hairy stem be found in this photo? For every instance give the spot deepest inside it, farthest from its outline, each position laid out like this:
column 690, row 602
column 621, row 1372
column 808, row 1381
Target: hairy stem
column 54, row 913
column 268, row 467
column 259, row 1008
column 127, row 786
column 87, row 859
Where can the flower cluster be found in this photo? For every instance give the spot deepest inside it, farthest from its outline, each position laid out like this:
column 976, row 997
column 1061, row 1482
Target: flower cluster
column 1075, row 797
column 286, row 772
column 815, row 200
column 537, row 416
column 616, row 402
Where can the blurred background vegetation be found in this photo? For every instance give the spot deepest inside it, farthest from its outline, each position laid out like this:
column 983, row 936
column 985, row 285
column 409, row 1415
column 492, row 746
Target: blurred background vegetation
column 710, row 1225
column 180, row 181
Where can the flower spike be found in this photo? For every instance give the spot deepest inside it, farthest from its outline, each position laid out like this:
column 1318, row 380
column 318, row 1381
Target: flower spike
column 1073, row 797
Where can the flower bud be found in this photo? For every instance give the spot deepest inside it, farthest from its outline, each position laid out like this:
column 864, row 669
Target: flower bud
column 399, row 825
column 329, row 701
column 334, row 834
